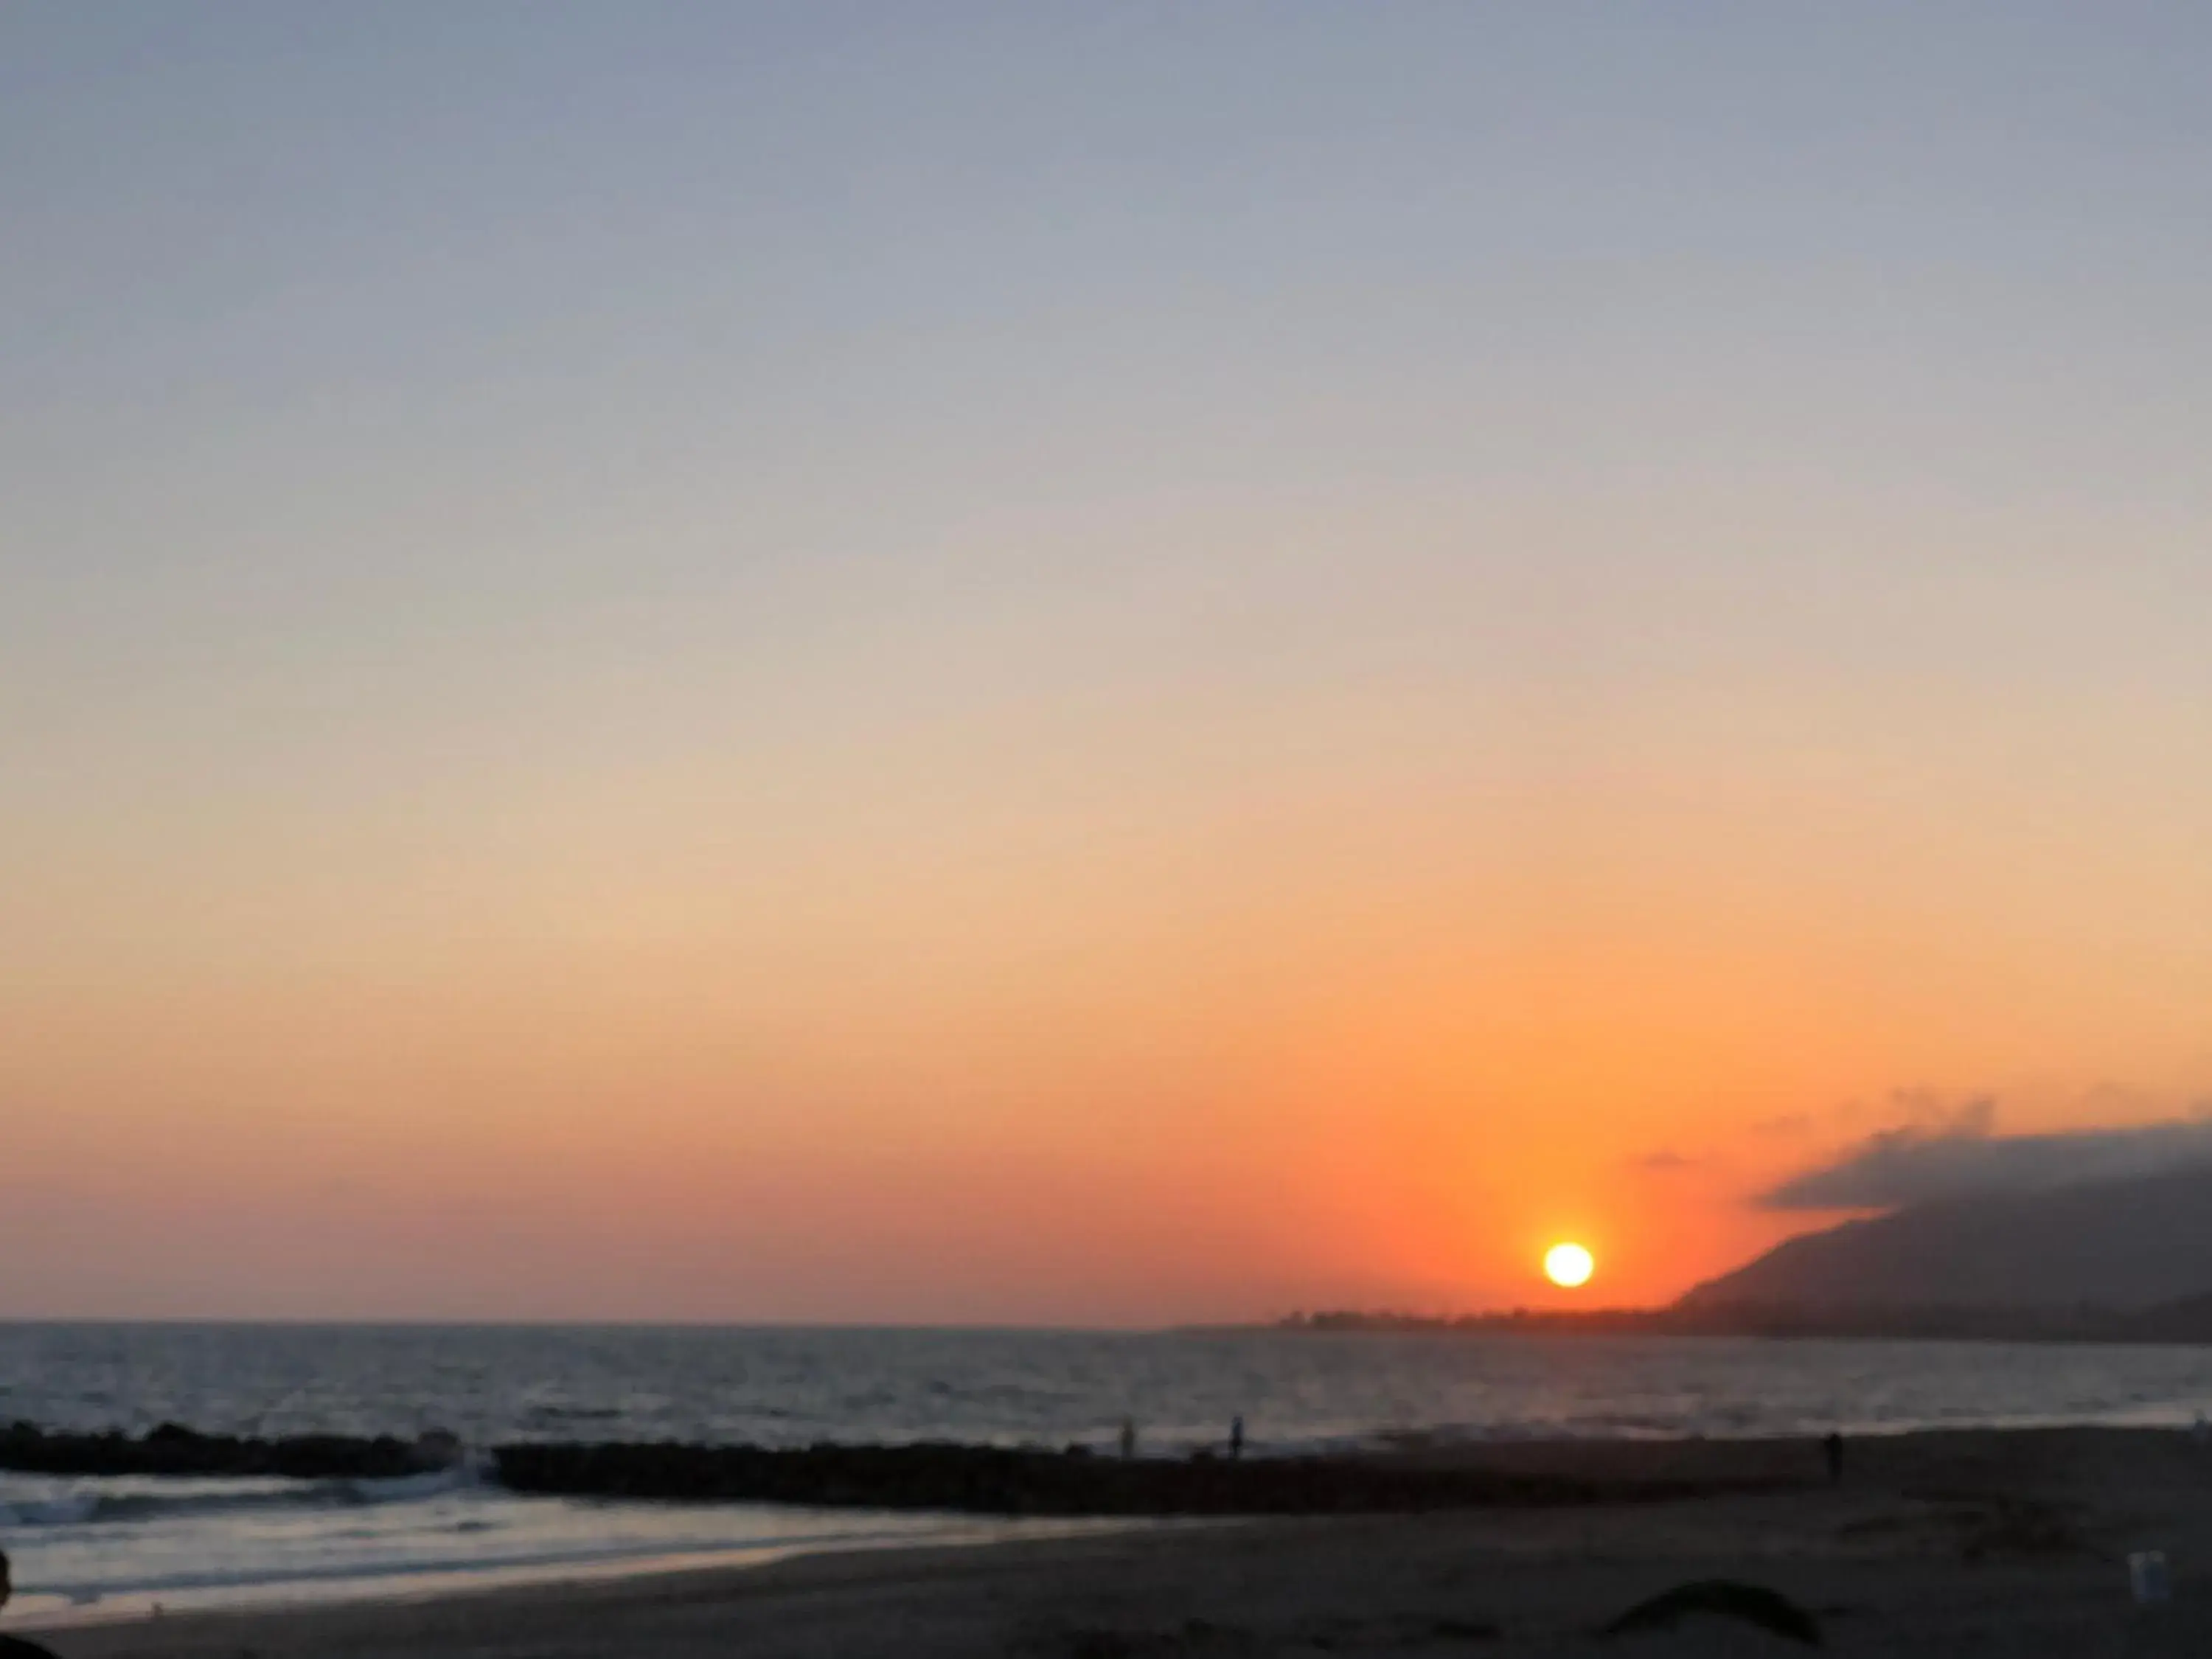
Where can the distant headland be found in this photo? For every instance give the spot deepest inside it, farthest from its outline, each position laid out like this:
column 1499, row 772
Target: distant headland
column 2117, row 1261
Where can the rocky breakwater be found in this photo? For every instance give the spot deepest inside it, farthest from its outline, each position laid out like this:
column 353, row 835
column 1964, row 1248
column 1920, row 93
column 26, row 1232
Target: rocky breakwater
column 172, row 1449
column 992, row 1480
column 974, row 1479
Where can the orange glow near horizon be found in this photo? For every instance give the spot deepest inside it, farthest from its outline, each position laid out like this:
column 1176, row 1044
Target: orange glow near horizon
column 1201, row 1112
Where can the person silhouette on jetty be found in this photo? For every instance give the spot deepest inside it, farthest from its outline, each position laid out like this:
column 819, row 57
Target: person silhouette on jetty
column 1833, row 1448
column 1235, row 1438
column 15, row 1647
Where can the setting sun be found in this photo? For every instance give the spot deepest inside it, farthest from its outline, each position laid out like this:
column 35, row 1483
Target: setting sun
column 1568, row 1265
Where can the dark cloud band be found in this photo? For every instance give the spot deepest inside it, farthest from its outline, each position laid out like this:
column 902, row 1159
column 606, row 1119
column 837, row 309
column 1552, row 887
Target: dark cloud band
column 1963, row 1156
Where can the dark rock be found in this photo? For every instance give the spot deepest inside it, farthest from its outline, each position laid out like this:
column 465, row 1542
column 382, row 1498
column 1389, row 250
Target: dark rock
column 172, row 1449
column 1754, row 1604
column 997, row 1481
column 979, row 1479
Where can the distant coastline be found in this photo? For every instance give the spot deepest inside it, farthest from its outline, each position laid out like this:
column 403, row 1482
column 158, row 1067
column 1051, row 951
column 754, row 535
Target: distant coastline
column 2185, row 1322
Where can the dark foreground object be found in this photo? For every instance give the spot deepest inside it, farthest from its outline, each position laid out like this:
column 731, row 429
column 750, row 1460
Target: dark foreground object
column 990, row 1481
column 1753, row 1603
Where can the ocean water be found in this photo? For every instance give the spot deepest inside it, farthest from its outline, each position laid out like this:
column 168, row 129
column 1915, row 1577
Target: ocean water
column 95, row 1548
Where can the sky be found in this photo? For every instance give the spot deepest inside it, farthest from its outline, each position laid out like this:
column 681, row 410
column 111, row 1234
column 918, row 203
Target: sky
column 1080, row 664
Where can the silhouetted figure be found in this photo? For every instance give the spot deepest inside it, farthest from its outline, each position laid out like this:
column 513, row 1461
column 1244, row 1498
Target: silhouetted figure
column 1235, row 1438
column 15, row 1647
column 1128, row 1437
column 1833, row 1446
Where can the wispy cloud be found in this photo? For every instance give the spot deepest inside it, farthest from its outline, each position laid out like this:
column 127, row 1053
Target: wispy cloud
column 1663, row 1161
column 1957, row 1152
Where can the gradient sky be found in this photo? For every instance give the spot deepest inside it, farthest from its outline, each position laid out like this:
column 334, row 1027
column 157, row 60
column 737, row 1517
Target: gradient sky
column 1054, row 663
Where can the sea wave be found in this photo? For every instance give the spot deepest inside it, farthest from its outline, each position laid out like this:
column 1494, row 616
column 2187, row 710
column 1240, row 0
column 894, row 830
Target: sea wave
column 85, row 1506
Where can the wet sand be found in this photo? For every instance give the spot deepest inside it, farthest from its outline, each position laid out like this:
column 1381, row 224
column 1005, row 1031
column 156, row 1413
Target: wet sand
column 1969, row 1542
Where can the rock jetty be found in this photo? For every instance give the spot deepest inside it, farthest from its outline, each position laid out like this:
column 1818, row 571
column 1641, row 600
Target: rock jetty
column 974, row 1479
column 992, row 1480
column 172, row 1449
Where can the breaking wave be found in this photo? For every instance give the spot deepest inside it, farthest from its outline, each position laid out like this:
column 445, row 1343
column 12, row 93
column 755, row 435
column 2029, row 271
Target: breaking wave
column 86, row 1505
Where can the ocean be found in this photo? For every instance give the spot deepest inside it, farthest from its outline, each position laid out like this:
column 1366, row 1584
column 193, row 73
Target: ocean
column 86, row 1547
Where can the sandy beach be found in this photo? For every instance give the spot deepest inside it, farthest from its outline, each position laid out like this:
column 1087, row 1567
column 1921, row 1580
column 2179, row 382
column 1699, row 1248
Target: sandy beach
column 1947, row 1543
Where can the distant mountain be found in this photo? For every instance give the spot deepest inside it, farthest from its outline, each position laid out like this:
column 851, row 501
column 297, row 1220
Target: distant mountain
column 2126, row 1245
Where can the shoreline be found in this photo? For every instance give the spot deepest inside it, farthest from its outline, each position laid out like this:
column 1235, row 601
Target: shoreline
column 288, row 1599
column 2018, row 1535
column 590, row 1589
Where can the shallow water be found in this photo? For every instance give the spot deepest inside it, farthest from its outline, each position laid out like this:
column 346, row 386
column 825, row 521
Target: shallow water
column 98, row 1548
